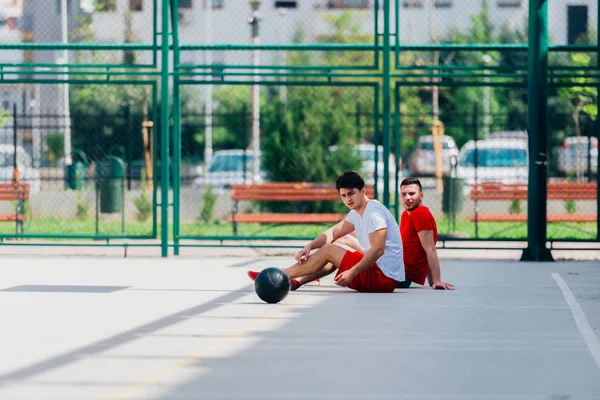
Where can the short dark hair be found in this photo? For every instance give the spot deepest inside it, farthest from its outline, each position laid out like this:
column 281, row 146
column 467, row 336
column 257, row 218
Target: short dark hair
column 350, row 180
column 412, row 181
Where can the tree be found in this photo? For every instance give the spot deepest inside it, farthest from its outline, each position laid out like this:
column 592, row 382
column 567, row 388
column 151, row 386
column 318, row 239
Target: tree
column 581, row 99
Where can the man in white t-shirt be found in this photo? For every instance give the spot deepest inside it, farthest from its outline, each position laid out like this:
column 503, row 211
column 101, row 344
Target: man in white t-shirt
column 381, row 265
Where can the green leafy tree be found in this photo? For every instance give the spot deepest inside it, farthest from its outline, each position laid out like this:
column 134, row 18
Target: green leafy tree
column 581, row 99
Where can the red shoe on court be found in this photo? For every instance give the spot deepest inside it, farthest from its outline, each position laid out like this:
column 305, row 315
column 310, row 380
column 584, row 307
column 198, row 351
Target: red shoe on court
column 294, row 283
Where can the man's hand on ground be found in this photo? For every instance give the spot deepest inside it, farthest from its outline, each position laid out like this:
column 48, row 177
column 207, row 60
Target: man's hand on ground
column 442, row 286
column 344, row 278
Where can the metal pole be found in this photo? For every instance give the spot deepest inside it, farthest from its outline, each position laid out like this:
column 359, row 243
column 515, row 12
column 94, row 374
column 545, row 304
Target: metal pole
column 537, row 81
column 358, row 135
column 208, row 93
column 386, row 103
column 36, row 123
column 15, row 174
column 475, row 164
column 66, row 105
column 486, row 97
column 254, row 20
column 164, row 131
column 129, row 144
column 597, row 125
column 176, row 131
column 397, row 151
column 97, row 205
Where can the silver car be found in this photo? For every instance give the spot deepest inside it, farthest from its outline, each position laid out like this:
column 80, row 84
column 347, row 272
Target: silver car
column 422, row 159
column 228, row 167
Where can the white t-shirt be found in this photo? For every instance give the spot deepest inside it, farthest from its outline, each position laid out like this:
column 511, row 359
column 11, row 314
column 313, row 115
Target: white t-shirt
column 375, row 217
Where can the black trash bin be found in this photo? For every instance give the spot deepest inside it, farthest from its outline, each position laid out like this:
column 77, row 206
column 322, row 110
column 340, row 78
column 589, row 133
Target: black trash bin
column 111, row 181
column 453, row 195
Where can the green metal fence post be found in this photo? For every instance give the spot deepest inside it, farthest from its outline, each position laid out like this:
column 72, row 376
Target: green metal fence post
column 397, row 150
column 538, row 143
column 597, row 126
column 386, row 102
column 164, row 131
column 176, row 129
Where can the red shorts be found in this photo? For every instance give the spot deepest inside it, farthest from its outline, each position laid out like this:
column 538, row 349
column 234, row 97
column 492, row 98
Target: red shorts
column 371, row 280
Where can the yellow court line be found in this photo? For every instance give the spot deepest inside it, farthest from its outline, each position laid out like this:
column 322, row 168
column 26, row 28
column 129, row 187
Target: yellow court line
column 196, row 356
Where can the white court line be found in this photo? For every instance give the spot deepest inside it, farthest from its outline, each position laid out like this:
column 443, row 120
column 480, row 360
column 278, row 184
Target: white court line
column 580, row 319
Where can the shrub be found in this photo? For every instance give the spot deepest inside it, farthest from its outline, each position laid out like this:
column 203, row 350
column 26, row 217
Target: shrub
column 208, row 204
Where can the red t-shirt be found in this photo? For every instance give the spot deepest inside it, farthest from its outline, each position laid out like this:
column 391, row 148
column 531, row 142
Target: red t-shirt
column 415, row 258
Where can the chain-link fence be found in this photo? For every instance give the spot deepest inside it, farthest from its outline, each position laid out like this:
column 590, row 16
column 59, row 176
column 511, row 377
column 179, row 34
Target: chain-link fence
column 105, row 187
column 84, row 121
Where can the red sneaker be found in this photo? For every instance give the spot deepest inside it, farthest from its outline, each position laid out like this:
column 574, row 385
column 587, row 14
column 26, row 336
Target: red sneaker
column 252, row 275
column 294, row 284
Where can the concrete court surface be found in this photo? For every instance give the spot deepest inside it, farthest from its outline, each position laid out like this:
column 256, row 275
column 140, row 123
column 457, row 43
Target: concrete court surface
column 193, row 328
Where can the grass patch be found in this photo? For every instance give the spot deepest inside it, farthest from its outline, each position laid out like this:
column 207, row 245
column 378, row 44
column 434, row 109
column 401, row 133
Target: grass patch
column 464, row 228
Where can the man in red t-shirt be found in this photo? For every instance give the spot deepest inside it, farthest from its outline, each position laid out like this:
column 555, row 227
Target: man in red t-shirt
column 419, row 235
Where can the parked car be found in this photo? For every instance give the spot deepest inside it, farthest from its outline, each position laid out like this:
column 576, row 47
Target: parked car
column 498, row 160
column 422, row 159
column 508, row 135
column 228, row 167
column 366, row 152
column 29, row 174
column 574, row 152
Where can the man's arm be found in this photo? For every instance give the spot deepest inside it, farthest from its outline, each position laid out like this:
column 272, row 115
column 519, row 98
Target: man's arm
column 340, row 229
column 377, row 241
column 434, row 276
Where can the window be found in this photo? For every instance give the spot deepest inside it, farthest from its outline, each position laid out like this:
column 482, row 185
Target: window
column 412, row 3
column 185, row 3
column 443, row 3
column 217, row 3
column 510, row 3
column 495, row 158
column 577, row 20
column 135, row 5
column 285, row 4
column 348, row 3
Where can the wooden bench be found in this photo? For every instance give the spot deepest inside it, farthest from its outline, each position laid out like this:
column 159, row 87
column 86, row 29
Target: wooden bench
column 556, row 191
column 18, row 192
column 288, row 192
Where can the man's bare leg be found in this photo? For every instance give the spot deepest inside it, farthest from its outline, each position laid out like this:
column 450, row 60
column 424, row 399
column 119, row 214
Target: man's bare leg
column 330, row 253
column 348, row 242
column 326, row 270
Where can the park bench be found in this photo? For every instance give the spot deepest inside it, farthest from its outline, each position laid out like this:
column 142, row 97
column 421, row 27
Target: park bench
column 18, row 192
column 288, row 192
column 556, row 191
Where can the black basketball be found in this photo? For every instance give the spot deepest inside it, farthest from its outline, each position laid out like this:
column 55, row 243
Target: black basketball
column 272, row 285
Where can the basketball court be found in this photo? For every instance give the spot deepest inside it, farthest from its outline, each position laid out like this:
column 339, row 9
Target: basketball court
column 193, row 328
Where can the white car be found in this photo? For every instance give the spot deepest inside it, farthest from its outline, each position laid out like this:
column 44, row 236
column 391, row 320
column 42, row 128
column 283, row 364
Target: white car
column 28, row 173
column 422, row 159
column 498, row 160
column 574, row 154
column 228, row 167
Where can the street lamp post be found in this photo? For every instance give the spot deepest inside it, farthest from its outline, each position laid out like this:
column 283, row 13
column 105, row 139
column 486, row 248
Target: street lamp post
column 254, row 20
column 486, row 96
